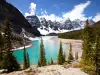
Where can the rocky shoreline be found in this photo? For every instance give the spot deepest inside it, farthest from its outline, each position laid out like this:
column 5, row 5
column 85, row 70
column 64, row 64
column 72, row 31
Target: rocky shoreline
column 27, row 46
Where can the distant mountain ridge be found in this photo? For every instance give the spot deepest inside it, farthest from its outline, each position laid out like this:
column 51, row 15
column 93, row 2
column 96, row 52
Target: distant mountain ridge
column 48, row 26
column 77, row 34
column 17, row 19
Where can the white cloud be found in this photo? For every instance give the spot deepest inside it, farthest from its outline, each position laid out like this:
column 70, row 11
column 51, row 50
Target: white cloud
column 32, row 9
column 77, row 12
column 51, row 17
column 90, row 17
column 97, row 17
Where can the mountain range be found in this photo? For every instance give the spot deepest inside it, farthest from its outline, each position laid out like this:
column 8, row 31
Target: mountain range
column 34, row 25
column 48, row 26
column 78, row 34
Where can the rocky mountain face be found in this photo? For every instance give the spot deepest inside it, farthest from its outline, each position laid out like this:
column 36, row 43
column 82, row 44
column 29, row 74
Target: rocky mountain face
column 16, row 18
column 48, row 26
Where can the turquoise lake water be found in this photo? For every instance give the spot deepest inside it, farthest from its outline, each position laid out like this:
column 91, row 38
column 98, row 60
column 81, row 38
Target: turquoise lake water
column 51, row 50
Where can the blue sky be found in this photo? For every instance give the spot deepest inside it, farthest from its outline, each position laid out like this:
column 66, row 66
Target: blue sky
column 60, row 9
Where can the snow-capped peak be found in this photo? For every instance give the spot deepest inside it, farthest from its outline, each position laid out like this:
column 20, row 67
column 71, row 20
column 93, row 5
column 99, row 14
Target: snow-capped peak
column 48, row 26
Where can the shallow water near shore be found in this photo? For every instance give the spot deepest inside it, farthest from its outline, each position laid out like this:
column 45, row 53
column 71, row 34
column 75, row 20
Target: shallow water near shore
column 51, row 47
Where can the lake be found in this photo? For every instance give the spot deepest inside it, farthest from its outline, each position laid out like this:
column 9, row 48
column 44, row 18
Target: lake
column 51, row 47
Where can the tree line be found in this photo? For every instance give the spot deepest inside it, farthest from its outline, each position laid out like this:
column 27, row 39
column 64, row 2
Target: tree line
column 76, row 34
column 91, row 50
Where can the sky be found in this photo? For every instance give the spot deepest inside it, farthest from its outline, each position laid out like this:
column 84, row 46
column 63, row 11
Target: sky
column 60, row 9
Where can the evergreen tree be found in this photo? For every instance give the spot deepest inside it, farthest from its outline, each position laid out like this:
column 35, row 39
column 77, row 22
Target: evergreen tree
column 42, row 54
column 25, row 59
column 88, row 51
column 70, row 56
column 9, row 61
column 51, row 61
column 39, row 65
column 86, row 42
column 76, row 55
column 28, row 60
column 1, row 41
column 60, row 55
column 26, row 55
column 97, row 53
column 7, row 35
column 1, row 49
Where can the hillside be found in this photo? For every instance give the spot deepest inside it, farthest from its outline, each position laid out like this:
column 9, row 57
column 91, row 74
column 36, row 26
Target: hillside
column 71, row 35
column 77, row 34
column 17, row 19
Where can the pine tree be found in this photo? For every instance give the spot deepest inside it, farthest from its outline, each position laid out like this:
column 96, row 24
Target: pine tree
column 42, row 54
column 39, row 65
column 51, row 61
column 97, row 53
column 26, row 55
column 28, row 60
column 87, row 44
column 8, row 35
column 1, row 46
column 1, row 41
column 9, row 61
column 76, row 55
column 88, row 51
column 70, row 56
column 60, row 55
column 1, row 49
column 25, row 59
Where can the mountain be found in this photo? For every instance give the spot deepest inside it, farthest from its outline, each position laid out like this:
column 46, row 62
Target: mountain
column 33, row 20
column 16, row 18
column 48, row 26
column 77, row 34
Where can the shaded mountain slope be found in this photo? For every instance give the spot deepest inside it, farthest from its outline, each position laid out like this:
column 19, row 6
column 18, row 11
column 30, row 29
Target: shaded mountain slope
column 16, row 17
